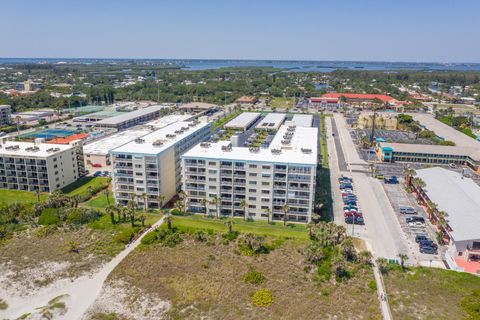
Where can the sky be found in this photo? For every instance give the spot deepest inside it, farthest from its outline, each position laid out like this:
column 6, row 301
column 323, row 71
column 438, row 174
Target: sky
column 355, row 30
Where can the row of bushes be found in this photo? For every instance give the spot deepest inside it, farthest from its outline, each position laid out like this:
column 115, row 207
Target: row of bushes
column 69, row 216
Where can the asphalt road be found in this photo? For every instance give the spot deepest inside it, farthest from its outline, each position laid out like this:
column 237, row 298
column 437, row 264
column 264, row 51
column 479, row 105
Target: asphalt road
column 382, row 229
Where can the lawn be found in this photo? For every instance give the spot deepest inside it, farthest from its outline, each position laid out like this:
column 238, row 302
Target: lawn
column 282, row 103
column 100, row 202
column 12, row 196
column 428, row 293
column 81, row 185
column 205, row 280
column 294, row 231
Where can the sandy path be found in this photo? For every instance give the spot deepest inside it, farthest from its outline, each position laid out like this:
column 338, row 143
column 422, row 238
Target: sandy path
column 82, row 292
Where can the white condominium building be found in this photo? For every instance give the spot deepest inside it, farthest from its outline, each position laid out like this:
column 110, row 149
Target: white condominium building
column 37, row 166
column 149, row 167
column 261, row 181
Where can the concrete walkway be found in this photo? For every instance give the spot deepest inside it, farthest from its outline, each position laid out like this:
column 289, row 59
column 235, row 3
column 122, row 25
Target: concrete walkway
column 81, row 292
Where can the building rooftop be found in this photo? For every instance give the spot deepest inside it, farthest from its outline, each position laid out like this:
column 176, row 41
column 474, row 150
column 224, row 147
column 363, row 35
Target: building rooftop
column 197, row 105
column 243, row 120
column 169, row 119
column 162, row 139
column 68, row 139
column 301, row 149
column 272, row 121
column 472, row 152
column 31, row 149
column 130, row 115
column 105, row 144
column 302, row 120
column 456, row 195
column 336, row 95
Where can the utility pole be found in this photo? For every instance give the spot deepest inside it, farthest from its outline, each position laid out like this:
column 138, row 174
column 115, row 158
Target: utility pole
column 372, row 135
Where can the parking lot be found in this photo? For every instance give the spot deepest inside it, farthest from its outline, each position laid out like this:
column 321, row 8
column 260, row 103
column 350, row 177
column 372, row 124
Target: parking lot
column 400, row 198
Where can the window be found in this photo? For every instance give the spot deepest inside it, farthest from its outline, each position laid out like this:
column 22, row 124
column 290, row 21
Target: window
column 252, row 190
column 265, row 183
column 252, row 198
column 212, row 187
column 138, row 166
column 252, row 206
column 266, row 167
column 252, row 174
column 212, row 179
column 139, row 181
column 252, row 182
column 212, row 171
column 252, row 166
column 265, row 200
column 265, row 191
column 138, row 174
column 266, row 175
column 212, row 163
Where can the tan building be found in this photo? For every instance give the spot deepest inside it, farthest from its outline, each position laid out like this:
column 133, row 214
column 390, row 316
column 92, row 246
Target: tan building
column 382, row 121
column 34, row 166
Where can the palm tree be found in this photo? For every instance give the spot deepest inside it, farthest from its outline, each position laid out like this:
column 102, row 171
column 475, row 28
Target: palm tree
column 418, row 183
column 409, row 173
column 432, row 207
column 244, row 206
column 183, row 196
column 37, row 193
column 145, row 202
column 131, row 205
column 229, row 224
column 111, row 211
column 75, row 200
column 216, row 202
column 107, row 195
column 285, row 209
column 142, row 217
column 204, row 203
column 268, row 212
column 403, row 257
column 160, row 199
column 169, row 219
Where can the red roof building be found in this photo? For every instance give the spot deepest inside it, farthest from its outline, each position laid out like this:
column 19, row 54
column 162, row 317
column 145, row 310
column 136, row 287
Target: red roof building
column 357, row 97
column 68, row 139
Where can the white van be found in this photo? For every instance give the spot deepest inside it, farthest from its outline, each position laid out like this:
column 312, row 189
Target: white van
column 407, row 210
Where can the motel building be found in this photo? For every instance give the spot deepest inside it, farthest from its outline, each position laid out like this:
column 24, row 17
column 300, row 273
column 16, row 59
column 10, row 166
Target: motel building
column 459, row 197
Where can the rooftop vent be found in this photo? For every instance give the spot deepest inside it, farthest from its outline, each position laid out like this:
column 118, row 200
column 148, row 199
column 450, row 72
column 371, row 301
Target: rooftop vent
column 205, row 144
column 139, row 140
column 254, row 150
column 178, row 131
column 286, row 141
column 158, row 143
column 227, row 148
column 276, row 151
column 170, row 135
column 14, row 147
column 305, row 150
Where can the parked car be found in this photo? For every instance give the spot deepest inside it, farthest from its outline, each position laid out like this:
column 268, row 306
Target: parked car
column 415, row 219
column 346, row 186
column 415, row 224
column 391, row 180
column 97, row 173
column 380, row 176
column 452, row 165
column 350, row 202
column 407, row 210
column 352, row 213
column 352, row 220
column 349, row 208
column 345, row 179
column 428, row 250
column 421, row 237
column 427, row 243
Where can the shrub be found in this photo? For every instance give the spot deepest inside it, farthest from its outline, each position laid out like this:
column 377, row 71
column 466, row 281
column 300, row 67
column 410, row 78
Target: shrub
column 230, row 236
column 254, row 277
column 149, row 238
column 262, row 298
column 200, row 236
column 82, row 216
column 49, row 217
column 124, row 236
column 171, row 240
column 372, row 285
column 3, row 305
column 250, row 244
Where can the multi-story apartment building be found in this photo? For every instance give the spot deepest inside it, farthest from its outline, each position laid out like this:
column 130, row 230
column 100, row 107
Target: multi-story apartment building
column 149, row 167
column 5, row 112
column 34, row 166
column 221, row 179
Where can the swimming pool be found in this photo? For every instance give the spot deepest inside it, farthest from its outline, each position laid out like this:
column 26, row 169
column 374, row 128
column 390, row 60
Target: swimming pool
column 48, row 134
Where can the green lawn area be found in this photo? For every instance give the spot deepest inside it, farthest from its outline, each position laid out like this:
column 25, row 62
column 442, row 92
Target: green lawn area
column 82, row 185
column 429, row 293
column 12, row 196
column 295, row 231
column 104, row 223
column 323, row 142
column 100, row 202
column 222, row 121
column 282, row 103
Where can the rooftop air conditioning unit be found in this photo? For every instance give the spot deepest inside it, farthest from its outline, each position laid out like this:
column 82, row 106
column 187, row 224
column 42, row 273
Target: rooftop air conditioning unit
column 305, row 150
